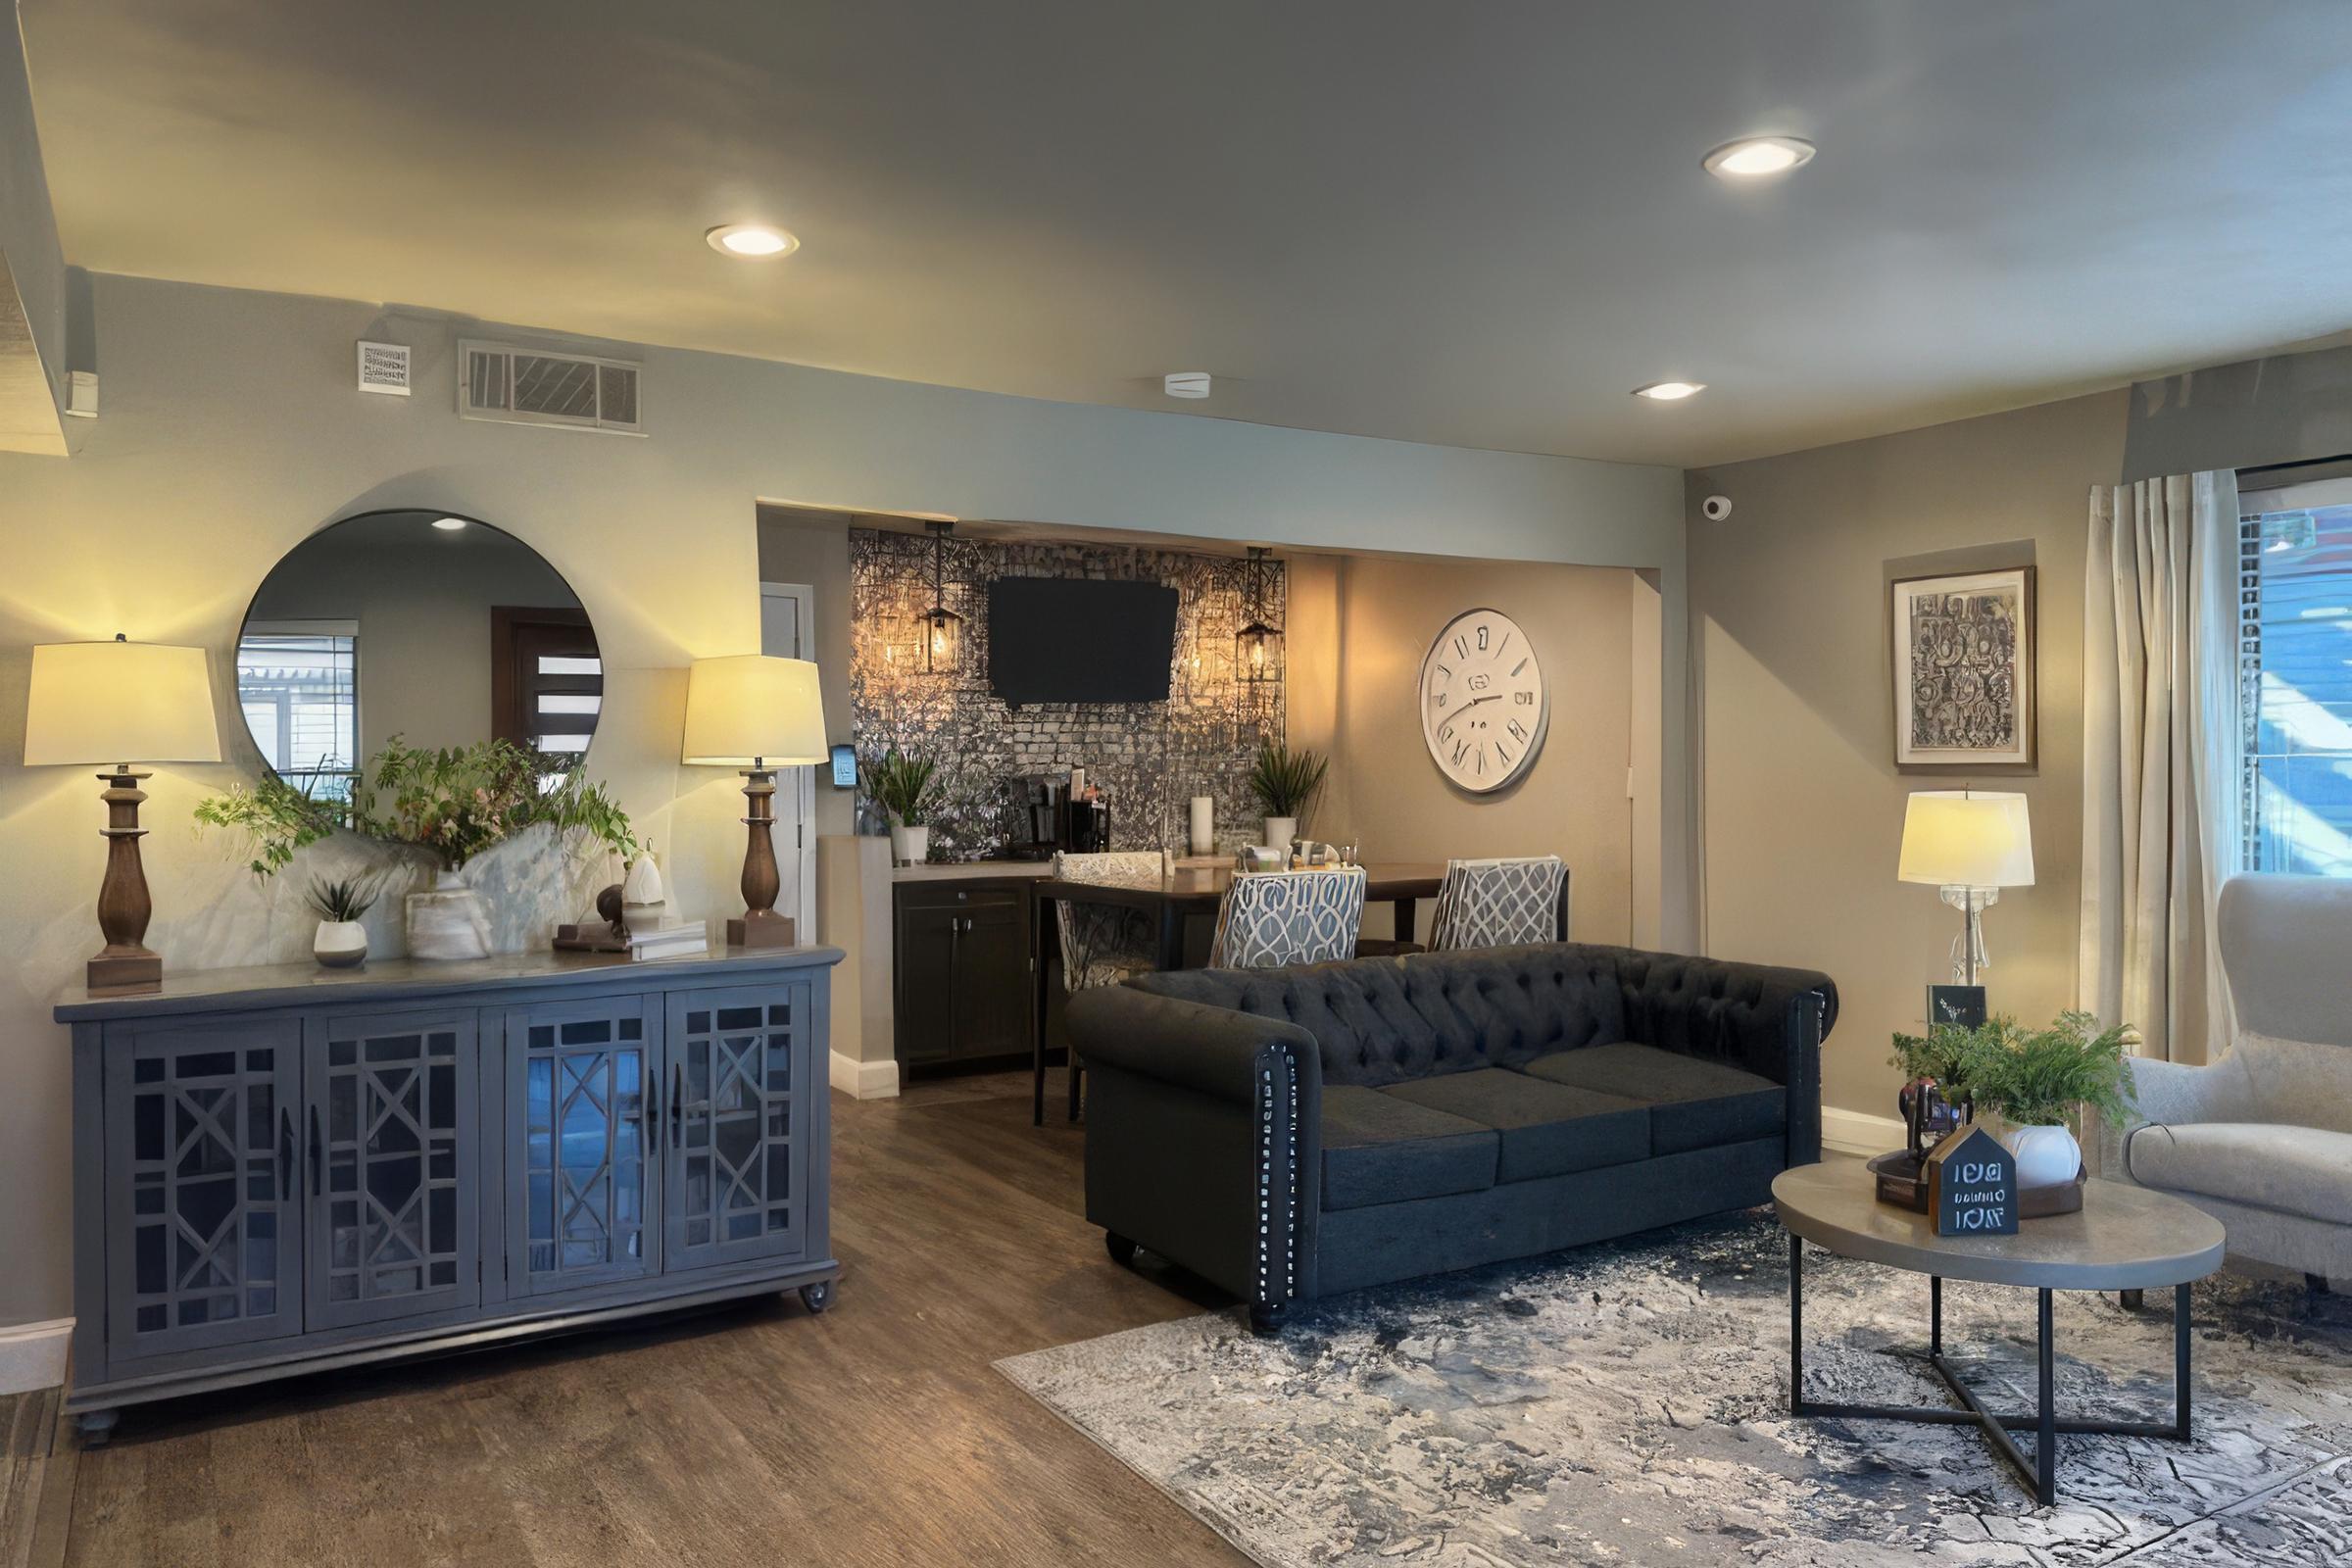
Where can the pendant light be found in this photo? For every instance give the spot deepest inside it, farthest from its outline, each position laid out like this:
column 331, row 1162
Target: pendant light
column 942, row 629
column 1257, row 647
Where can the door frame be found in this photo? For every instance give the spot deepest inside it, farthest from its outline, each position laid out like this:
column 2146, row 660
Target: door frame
column 805, row 787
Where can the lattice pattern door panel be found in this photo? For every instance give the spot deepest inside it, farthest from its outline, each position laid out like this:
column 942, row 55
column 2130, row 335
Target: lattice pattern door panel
column 205, row 1244
column 393, row 1220
column 582, row 1139
column 739, row 1124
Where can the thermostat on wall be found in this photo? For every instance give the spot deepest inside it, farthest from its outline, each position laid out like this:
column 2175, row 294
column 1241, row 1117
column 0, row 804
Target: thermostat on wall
column 845, row 767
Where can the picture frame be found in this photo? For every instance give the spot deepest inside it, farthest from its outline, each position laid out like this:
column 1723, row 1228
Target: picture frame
column 1966, row 670
column 1960, row 1005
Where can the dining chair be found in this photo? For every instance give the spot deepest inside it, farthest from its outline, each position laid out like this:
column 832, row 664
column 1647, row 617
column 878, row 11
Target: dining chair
column 1102, row 943
column 1270, row 919
column 1501, row 903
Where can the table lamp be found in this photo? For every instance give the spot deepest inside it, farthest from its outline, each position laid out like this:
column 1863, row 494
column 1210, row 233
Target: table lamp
column 1970, row 844
column 756, row 713
column 110, row 704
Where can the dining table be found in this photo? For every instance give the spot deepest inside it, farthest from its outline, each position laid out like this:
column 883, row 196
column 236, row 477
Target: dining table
column 1175, row 900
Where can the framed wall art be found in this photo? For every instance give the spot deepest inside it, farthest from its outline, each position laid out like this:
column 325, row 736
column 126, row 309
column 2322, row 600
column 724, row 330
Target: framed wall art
column 1964, row 669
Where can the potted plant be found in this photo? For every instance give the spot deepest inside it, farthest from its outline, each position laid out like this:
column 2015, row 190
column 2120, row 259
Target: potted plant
column 1285, row 784
column 341, row 942
column 273, row 815
column 2039, row 1081
column 900, row 784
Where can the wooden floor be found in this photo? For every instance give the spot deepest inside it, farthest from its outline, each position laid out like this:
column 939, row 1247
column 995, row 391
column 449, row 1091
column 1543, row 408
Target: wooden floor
column 876, row 1434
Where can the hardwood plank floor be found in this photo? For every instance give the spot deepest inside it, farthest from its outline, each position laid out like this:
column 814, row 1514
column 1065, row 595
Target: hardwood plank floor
column 875, row 1433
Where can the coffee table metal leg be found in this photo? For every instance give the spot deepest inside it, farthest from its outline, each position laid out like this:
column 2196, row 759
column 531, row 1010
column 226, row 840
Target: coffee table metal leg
column 1936, row 1314
column 2180, row 1361
column 1796, row 1324
column 2045, row 1450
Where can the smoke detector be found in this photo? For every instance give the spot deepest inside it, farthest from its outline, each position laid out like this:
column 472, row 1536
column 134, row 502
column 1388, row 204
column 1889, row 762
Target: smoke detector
column 1186, row 383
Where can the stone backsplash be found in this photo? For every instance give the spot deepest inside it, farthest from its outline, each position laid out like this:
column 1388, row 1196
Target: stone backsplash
column 1150, row 758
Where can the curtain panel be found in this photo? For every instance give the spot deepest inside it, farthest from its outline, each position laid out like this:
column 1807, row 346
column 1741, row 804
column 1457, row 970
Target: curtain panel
column 2162, row 756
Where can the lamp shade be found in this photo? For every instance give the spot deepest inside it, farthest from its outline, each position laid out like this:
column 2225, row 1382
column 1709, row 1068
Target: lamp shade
column 750, row 710
column 119, row 701
column 1967, row 838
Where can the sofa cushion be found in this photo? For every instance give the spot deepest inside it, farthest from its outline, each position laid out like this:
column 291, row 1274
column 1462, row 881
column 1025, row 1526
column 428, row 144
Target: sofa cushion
column 1547, row 1128
column 1381, row 1150
column 1693, row 1103
column 2292, row 1170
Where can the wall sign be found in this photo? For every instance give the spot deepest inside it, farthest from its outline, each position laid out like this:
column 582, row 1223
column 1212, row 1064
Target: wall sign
column 1972, row 1184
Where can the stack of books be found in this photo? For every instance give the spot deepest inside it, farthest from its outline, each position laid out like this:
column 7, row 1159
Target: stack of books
column 668, row 939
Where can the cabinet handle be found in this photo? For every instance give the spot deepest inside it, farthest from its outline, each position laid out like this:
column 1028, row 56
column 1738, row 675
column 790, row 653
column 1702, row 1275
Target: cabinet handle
column 285, row 1150
column 649, row 1128
column 318, row 1181
column 677, row 1103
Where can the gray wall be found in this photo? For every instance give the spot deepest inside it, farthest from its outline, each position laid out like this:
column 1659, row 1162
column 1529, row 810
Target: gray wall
column 231, row 430
column 2286, row 408
column 30, row 259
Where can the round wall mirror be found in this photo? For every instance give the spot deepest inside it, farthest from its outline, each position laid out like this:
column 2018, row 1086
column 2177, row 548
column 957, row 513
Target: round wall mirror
column 437, row 628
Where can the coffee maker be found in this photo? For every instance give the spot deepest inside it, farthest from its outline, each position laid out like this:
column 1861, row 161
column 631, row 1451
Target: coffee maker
column 1052, row 817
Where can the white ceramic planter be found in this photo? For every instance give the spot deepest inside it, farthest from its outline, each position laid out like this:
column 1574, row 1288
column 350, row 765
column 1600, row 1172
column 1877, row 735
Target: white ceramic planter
column 2047, row 1156
column 448, row 922
column 1281, row 832
column 910, row 846
column 340, row 944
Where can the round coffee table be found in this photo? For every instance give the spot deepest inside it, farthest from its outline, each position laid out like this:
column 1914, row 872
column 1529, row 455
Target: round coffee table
column 2124, row 1239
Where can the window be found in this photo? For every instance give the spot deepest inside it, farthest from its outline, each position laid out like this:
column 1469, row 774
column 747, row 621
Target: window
column 298, row 683
column 2295, row 678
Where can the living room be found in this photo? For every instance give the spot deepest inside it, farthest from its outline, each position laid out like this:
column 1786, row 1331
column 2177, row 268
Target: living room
column 1289, row 1087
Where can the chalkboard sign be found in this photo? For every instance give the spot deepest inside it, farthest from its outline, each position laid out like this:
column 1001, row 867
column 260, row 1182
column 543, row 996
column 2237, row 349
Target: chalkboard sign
column 1972, row 1184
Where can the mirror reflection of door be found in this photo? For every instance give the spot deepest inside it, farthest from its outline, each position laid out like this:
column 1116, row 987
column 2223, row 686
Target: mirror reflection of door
column 785, row 632
column 546, row 682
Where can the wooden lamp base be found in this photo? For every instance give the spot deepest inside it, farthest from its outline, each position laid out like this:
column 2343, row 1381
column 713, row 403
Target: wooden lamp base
column 759, row 925
column 124, row 965
column 761, row 928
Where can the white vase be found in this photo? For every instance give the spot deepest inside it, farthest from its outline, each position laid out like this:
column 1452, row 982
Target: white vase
column 643, row 899
column 340, row 944
column 910, row 846
column 2047, row 1156
column 1280, row 832
column 448, row 922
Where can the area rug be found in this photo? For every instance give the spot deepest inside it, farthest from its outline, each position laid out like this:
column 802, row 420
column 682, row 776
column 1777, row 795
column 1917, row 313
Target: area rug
column 1627, row 1404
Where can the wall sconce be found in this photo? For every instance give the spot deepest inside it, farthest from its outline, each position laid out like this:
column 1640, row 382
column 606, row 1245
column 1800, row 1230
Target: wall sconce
column 942, row 627
column 1257, row 647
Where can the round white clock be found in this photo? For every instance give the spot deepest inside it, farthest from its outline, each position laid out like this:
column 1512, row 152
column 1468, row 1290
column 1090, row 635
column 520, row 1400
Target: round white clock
column 1484, row 705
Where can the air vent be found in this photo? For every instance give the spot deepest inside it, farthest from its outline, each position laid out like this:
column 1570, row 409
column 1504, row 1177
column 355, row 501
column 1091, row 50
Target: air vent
column 517, row 385
column 384, row 367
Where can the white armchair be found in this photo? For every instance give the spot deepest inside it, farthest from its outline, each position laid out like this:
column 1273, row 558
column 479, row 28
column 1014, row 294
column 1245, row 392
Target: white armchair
column 2262, row 1138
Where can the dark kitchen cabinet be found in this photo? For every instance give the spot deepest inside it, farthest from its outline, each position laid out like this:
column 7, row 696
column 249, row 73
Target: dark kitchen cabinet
column 964, row 986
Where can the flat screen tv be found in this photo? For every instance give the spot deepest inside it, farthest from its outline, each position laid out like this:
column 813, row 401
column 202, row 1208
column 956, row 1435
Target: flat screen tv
column 1080, row 640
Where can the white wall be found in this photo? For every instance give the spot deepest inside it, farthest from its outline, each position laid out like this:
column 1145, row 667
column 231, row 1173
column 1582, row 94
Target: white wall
column 31, row 266
column 231, row 431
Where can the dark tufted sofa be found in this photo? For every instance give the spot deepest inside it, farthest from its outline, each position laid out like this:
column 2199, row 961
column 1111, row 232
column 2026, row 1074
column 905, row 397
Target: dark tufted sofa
column 1296, row 1133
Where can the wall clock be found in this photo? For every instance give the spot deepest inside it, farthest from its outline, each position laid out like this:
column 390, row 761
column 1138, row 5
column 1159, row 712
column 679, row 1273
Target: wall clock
column 1484, row 704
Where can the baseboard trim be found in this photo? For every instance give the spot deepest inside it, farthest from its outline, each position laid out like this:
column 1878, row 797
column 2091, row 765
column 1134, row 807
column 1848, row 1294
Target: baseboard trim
column 1855, row 1132
column 33, row 1355
column 863, row 1080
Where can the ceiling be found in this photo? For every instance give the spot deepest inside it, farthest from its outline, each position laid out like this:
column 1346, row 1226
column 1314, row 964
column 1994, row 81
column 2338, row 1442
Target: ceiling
column 1474, row 225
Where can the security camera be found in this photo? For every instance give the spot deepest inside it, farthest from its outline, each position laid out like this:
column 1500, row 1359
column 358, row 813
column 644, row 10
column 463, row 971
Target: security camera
column 1716, row 507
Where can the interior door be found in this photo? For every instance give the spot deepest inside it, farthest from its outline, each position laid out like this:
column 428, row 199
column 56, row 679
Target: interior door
column 738, row 1134
column 786, row 632
column 392, row 1122
column 204, row 1239
column 582, row 1170
column 547, row 679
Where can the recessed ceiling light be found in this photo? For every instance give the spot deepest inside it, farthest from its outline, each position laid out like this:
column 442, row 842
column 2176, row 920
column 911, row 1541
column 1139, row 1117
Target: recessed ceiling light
column 449, row 525
column 1670, row 391
column 752, row 239
column 1757, row 157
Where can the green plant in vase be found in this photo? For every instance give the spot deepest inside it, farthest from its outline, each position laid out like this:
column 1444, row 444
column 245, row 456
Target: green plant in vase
column 1285, row 784
column 341, row 942
column 274, row 816
column 901, row 783
column 2040, row 1082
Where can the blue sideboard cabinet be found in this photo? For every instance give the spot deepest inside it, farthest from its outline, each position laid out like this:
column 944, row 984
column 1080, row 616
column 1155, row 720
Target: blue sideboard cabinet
column 294, row 1169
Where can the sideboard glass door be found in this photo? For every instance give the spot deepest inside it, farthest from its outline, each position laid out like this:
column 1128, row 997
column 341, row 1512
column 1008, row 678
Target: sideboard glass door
column 581, row 1083
column 203, row 1242
column 738, row 1124
column 391, row 1153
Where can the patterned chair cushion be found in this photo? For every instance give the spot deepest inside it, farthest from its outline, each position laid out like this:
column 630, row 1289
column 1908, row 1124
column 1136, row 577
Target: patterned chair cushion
column 1103, row 944
column 1270, row 919
column 1498, row 904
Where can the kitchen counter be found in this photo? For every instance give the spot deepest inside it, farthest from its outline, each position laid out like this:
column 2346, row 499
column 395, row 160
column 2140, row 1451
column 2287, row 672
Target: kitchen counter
column 970, row 870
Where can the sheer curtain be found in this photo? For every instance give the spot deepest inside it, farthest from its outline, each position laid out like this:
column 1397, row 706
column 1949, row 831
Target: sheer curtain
column 2162, row 753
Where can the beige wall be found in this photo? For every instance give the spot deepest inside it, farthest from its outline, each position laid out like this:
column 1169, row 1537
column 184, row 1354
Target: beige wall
column 1573, row 801
column 812, row 549
column 32, row 270
column 1802, row 804
column 231, row 430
